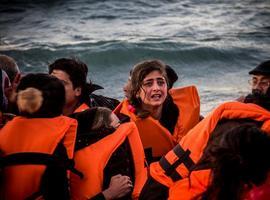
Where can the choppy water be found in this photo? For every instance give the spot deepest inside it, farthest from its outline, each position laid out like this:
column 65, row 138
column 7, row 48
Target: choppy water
column 212, row 44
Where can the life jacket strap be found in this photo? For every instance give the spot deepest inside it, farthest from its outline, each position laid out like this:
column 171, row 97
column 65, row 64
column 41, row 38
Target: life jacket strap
column 35, row 158
column 170, row 169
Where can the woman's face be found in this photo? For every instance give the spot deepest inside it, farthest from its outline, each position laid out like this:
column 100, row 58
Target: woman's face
column 153, row 91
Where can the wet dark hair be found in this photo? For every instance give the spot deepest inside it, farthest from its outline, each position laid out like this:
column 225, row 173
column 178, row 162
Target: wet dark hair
column 52, row 91
column 77, row 72
column 139, row 72
column 172, row 76
column 238, row 159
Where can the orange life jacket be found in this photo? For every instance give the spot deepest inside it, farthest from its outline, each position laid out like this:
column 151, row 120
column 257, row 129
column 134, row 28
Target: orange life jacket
column 92, row 160
column 81, row 108
column 176, row 164
column 32, row 135
column 190, row 187
column 157, row 137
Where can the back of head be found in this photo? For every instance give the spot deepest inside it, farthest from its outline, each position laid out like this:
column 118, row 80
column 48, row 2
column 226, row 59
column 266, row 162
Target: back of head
column 172, row 76
column 238, row 160
column 262, row 69
column 40, row 95
column 9, row 65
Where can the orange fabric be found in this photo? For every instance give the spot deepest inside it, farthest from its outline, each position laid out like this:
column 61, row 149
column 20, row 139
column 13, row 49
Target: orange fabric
column 190, row 187
column 92, row 160
column 32, row 135
column 157, row 137
column 197, row 138
column 81, row 108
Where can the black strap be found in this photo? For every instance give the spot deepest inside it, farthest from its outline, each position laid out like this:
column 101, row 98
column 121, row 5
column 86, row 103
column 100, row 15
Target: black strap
column 180, row 152
column 34, row 158
column 170, row 169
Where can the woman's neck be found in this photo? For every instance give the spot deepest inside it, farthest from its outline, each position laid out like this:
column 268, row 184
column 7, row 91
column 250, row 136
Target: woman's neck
column 155, row 112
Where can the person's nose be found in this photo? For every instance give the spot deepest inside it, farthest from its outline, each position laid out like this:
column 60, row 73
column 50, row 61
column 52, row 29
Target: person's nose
column 257, row 86
column 156, row 86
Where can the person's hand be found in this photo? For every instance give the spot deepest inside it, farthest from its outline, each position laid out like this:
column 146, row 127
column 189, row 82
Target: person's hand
column 119, row 187
column 10, row 92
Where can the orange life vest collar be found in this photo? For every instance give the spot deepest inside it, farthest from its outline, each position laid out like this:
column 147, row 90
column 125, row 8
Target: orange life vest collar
column 81, row 108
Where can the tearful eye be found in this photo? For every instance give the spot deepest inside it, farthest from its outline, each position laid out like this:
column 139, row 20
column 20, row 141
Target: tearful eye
column 161, row 83
column 148, row 84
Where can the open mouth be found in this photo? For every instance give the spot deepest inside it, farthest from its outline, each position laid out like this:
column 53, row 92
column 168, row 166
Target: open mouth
column 156, row 97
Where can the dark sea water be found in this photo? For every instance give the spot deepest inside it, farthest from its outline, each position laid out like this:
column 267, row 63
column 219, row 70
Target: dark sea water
column 211, row 44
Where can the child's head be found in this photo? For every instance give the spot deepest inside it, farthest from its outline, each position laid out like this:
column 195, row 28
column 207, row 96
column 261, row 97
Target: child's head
column 104, row 118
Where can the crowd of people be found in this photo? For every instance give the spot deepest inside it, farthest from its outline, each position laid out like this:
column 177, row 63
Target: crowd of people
column 59, row 140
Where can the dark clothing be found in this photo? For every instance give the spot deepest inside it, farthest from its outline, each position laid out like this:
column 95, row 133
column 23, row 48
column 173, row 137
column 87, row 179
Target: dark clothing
column 121, row 162
column 99, row 100
column 99, row 196
column 154, row 190
column 169, row 119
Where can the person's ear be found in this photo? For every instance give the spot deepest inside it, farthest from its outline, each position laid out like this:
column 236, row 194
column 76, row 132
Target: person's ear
column 78, row 91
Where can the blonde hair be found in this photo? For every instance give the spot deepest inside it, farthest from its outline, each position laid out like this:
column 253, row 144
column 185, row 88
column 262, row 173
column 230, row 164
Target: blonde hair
column 29, row 100
column 102, row 118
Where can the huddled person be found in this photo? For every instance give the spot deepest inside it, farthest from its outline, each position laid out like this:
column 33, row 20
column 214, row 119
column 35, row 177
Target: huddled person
column 233, row 163
column 38, row 137
column 163, row 115
column 110, row 156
